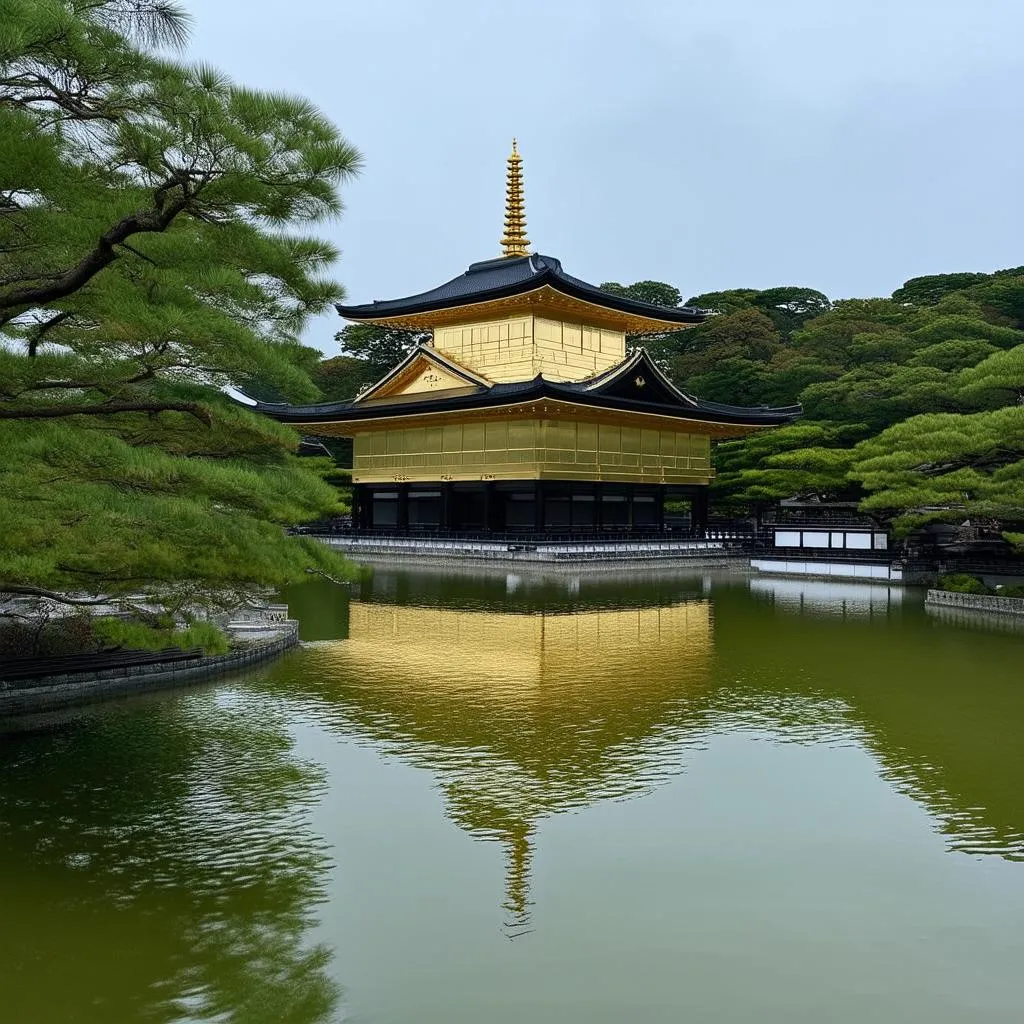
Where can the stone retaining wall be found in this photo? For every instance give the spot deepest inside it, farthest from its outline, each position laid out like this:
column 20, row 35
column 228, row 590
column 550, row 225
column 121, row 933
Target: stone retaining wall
column 52, row 693
column 976, row 602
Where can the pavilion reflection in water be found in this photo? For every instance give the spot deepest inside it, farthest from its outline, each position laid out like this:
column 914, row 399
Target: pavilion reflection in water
column 529, row 697
column 524, row 715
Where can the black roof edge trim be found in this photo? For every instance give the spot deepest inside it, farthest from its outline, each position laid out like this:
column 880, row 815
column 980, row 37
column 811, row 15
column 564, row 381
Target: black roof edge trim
column 538, row 388
column 548, row 275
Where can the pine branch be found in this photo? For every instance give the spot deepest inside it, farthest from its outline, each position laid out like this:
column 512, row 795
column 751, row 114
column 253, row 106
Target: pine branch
column 200, row 412
column 58, row 318
column 330, row 579
column 141, row 255
column 16, row 300
column 90, row 385
column 50, row 595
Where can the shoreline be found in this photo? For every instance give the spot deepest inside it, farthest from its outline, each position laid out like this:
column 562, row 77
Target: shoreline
column 21, row 698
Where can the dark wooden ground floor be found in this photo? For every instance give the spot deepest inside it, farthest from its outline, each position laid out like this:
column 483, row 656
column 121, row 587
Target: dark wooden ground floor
column 526, row 506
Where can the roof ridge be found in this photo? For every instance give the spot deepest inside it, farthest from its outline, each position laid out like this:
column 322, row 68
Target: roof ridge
column 508, row 277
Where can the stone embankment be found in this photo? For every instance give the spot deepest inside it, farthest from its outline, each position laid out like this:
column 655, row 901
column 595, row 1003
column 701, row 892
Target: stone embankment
column 257, row 639
column 976, row 602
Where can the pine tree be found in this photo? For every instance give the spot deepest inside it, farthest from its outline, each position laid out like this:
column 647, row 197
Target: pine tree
column 946, row 467
column 152, row 252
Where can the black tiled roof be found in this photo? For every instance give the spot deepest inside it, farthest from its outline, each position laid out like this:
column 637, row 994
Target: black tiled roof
column 504, row 277
column 613, row 390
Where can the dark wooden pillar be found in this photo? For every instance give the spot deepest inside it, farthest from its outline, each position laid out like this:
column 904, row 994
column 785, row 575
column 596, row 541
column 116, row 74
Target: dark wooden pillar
column 538, row 505
column 362, row 506
column 355, row 506
column 447, row 507
column 699, row 514
column 403, row 508
column 490, row 505
column 598, row 506
column 630, row 496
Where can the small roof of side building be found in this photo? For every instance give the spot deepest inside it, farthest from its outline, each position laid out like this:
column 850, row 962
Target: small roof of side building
column 635, row 388
column 508, row 285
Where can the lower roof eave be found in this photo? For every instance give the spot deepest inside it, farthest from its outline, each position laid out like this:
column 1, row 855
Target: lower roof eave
column 361, row 419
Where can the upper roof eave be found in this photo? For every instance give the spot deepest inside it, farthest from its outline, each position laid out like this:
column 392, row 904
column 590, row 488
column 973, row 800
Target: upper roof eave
column 509, row 277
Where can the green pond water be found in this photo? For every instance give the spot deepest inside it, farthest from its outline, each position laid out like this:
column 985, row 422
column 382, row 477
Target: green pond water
column 486, row 796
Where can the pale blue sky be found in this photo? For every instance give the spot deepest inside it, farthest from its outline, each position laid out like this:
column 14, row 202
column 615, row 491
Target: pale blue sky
column 732, row 143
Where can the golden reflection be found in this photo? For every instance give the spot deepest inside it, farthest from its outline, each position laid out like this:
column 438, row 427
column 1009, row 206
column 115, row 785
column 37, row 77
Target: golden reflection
column 522, row 716
column 525, row 659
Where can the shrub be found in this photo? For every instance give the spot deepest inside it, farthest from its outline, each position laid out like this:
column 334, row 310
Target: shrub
column 963, row 583
column 1012, row 590
column 86, row 634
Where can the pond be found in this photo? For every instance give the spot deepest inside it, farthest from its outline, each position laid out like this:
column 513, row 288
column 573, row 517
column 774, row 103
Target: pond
column 480, row 795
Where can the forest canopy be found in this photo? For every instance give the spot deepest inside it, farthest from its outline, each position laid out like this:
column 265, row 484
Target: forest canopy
column 912, row 404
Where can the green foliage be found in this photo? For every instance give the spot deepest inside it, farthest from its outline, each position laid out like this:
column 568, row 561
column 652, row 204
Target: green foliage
column 998, row 379
column 658, row 294
column 807, row 460
column 963, row 583
column 378, row 347
column 883, row 346
column 880, row 395
column 724, row 302
column 168, row 504
column 727, row 359
column 912, row 404
column 342, row 377
column 152, row 252
column 655, row 292
column 790, row 308
column 1016, row 541
column 997, row 296
column 1011, row 590
column 1002, row 296
column 134, row 635
column 927, row 291
column 946, row 467
column 956, row 354
column 960, row 325
column 43, row 636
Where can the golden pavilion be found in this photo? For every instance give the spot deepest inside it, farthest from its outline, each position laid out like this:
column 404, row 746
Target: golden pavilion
column 526, row 412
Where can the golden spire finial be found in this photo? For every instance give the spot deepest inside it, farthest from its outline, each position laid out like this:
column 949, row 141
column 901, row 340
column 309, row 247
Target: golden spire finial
column 514, row 242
